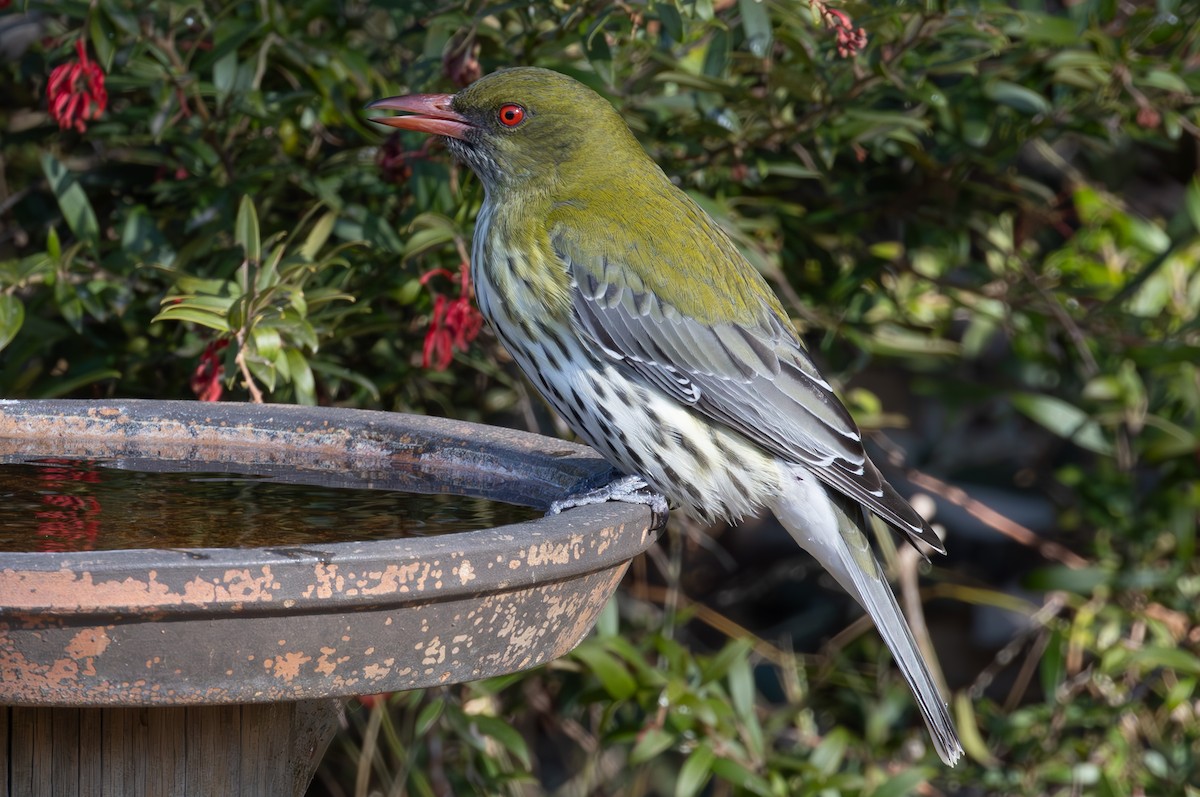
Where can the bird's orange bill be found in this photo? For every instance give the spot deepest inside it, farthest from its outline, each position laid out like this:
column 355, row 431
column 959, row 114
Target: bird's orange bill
column 431, row 113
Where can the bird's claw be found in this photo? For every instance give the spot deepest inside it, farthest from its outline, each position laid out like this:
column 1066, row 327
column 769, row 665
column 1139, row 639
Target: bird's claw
column 630, row 489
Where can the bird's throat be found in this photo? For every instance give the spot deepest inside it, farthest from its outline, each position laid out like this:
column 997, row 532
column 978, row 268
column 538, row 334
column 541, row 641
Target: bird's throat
column 518, row 278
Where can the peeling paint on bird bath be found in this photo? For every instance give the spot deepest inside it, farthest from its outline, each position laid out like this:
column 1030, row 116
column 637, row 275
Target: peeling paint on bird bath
column 238, row 657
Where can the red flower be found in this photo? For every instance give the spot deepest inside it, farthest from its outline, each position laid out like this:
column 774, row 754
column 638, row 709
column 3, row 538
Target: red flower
column 206, row 379
column 455, row 322
column 76, row 91
column 850, row 41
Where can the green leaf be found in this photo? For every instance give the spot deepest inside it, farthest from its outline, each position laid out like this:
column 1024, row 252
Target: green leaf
column 741, row 687
column 691, row 81
column 1052, row 668
column 828, row 755
column 651, row 743
column 303, row 334
column 672, row 23
column 1153, row 657
column 646, row 673
column 302, row 377
column 282, row 366
column 893, row 250
column 430, row 230
column 213, row 304
column 246, row 230
column 1167, row 81
column 317, row 236
column 214, row 287
column 298, row 302
column 101, row 33
column 428, row 716
column 1108, row 786
column 505, row 734
column 1018, row 97
column 53, row 245
column 903, row 783
column 742, row 778
column 791, row 170
column 224, row 74
column 331, row 371
column 1192, row 200
column 195, row 315
column 66, row 296
column 1047, row 29
column 267, row 342
column 67, row 386
column 1065, row 420
column 736, row 650
column 595, row 47
column 612, row 674
column 229, row 36
column 608, row 624
column 268, row 274
column 716, row 57
column 265, row 373
column 695, row 772
column 1076, row 59
column 12, row 317
column 72, row 200
column 756, row 23
column 968, row 729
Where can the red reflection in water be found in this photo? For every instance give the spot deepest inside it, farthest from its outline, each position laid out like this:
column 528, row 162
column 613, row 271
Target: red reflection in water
column 69, row 522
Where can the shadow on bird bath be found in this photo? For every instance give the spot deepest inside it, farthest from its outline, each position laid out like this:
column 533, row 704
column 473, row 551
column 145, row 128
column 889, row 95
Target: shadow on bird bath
column 220, row 669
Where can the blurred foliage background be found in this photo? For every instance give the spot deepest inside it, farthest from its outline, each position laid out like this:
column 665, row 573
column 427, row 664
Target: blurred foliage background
column 986, row 223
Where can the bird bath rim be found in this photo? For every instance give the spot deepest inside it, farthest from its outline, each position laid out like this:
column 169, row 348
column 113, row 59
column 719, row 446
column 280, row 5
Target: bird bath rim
column 333, row 619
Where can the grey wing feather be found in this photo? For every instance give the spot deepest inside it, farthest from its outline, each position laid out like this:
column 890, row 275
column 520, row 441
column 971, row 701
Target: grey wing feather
column 755, row 378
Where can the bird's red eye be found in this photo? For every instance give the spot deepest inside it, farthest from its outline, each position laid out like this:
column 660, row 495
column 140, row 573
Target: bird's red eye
column 511, row 115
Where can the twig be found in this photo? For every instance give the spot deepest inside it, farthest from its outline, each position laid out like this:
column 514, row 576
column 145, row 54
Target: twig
column 1038, row 621
column 908, row 560
column 1025, row 674
column 12, row 200
column 720, row 622
column 240, row 358
column 1006, row 526
column 1078, row 339
column 369, row 749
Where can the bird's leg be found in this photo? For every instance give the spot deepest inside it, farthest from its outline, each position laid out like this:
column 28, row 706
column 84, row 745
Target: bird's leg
column 630, row 489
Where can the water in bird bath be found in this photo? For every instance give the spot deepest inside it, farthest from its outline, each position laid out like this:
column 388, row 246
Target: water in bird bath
column 64, row 504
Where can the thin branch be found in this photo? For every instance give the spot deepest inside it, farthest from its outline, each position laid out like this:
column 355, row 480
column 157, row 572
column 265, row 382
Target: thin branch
column 240, row 358
column 1001, row 523
column 714, row 619
column 909, row 560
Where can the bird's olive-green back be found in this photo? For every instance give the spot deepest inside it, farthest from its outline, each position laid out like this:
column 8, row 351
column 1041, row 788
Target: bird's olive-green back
column 572, row 171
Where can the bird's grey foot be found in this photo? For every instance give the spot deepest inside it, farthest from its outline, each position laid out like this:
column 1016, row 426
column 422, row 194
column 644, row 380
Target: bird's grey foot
column 630, row 489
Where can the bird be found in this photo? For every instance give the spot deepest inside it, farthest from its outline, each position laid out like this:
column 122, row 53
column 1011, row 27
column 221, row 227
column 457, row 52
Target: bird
column 637, row 318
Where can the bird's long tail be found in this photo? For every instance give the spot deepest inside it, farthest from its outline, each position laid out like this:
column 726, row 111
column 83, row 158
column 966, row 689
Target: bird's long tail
column 830, row 528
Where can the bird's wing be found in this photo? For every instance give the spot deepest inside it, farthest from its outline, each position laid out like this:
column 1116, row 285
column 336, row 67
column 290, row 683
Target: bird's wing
column 753, row 376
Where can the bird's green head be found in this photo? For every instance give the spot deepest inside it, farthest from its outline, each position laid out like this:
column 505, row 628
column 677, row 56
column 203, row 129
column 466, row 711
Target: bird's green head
column 521, row 128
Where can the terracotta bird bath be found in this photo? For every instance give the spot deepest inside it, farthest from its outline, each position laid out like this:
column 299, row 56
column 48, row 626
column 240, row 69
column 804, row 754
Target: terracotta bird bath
column 185, row 671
